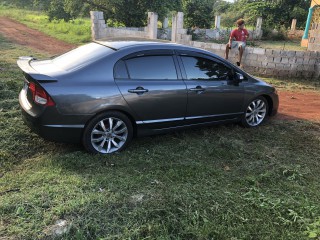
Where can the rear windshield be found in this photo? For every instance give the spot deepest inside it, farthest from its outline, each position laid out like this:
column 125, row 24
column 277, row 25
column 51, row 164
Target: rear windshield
column 81, row 56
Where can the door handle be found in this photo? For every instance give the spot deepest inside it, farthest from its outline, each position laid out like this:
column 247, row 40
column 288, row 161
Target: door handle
column 197, row 89
column 138, row 90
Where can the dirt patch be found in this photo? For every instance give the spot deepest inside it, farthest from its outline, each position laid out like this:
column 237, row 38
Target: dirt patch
column 299, row 105
column 293, row 105
column 22, row 35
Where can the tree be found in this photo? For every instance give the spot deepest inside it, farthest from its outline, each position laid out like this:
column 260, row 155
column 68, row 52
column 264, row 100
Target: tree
column 220, row 7
column 41, row 4
column 56, row 11
column 22, row 3
column 198, row 13
column 131, row 13
column 76, row 8
column 275, row 13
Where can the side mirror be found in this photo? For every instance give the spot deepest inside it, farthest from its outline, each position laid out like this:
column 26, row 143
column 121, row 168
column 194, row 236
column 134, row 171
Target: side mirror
column 238, row 78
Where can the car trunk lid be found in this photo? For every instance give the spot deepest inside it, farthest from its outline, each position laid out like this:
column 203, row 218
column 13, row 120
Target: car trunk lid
column 31, row 67
column 33, row 96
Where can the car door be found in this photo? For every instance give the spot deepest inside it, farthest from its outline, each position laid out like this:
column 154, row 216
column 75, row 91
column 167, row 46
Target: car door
column 212, row 93
column 151, row 83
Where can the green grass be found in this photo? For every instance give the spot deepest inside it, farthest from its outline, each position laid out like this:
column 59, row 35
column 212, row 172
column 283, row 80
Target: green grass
column 286, row 45
column 77, row 31
column 294, row 84
column 221, row 182
column 289, row 45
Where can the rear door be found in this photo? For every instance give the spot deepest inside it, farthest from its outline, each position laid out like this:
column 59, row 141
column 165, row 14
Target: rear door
column 151, row 83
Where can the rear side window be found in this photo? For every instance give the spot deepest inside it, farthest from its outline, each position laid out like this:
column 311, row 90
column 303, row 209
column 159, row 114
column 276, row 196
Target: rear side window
column 198, row 68
column 120, row 70
column 151, row 67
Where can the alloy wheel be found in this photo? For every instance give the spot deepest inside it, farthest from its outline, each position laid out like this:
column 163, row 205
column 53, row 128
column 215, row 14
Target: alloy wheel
column 256, row 112
column 109, row 135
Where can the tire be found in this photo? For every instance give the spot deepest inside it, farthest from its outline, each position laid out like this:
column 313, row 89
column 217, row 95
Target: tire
column 256, row 112
column 107, row 133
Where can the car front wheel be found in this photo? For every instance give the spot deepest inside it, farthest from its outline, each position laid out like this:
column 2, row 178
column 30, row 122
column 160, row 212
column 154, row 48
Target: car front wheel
column 107, row 133
column 256, row 112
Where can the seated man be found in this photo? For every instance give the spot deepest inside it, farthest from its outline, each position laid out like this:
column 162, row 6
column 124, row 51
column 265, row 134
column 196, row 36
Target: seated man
column 240, row 35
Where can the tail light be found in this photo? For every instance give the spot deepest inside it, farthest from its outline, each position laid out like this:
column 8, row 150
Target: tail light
column 40, row 96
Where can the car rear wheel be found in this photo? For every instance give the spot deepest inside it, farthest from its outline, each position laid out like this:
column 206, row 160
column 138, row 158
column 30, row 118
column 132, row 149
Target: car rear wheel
column 109, row 132
column 256, row 112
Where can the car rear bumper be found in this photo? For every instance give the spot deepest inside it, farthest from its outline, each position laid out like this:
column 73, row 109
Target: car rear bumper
column 57, row 133
column 50, row 124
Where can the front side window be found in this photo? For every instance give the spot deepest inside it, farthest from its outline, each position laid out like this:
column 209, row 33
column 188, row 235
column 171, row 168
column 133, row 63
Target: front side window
column 198, row 68
column 151, row 67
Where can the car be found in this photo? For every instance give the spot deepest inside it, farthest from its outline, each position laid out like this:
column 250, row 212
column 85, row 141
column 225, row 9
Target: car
column 104, row 93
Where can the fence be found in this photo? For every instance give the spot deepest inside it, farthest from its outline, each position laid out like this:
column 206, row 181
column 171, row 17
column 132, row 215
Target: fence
column 263, row 62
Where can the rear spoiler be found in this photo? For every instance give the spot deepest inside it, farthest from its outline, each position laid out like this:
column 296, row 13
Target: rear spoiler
column 25, row 66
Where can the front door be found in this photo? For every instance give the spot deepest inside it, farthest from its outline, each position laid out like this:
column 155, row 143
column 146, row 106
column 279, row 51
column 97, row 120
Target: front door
column 212, row 95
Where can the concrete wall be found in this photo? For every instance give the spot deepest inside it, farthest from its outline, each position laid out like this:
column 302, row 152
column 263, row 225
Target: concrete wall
column 268, row 62
column 122, row 32
column 314, row 37
column 100, row 30
column 98, row 25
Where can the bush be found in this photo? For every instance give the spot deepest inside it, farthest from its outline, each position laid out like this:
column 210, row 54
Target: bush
column 274, row 35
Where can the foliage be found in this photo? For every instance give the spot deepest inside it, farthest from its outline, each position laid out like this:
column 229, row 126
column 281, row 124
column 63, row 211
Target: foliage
column 42, row 5
column 198, row 13
column 20, row 3
column 283, row 11
column 221, row 6
column 76, row 8
column 56, row 11
column 313, row 230
column 274, row 35
column 133, row 13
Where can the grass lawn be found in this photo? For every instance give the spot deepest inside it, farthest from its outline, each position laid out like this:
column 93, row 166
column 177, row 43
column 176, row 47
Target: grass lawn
column 220, row 182
column 286, row 45
column 77, row 31
column 289, row 45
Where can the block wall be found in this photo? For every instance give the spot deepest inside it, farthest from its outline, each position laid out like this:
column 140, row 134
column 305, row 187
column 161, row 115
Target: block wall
column 314, row 37
column 268, row 62
column 100, row 30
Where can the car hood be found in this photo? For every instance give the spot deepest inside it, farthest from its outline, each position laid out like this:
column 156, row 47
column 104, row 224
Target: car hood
column 260, row 81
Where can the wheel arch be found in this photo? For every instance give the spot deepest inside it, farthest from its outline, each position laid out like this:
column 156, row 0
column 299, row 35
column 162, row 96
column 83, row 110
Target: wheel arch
column 270, row 103
column 127, row 114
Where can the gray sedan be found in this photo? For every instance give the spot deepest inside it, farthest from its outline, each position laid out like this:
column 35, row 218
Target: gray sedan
column 104, row 93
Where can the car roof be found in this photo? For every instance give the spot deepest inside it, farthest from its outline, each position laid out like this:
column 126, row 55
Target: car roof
column 140, row 45
column 119, row 45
